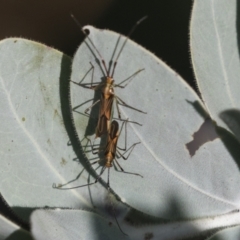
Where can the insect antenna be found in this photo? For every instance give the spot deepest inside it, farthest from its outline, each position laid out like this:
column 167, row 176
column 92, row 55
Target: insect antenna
column 93, row 45
column 124, row 43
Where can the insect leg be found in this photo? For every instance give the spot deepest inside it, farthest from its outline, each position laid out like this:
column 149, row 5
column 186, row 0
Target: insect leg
column 137, row 174
column 121, row 102
column 87, row 109
column 128, row 80
column 88, row 184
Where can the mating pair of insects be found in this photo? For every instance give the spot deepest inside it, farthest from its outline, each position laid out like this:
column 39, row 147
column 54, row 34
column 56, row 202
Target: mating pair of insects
column 107, row 127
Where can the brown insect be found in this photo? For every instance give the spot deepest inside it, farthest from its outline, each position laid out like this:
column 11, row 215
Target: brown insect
column 111, row 153
column 106, row 87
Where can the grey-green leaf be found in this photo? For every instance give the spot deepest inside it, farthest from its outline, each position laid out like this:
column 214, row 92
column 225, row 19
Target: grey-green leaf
column 72, row 224
column 214, row 43
column 36, row 153
column 174, row 113
column 35, row 150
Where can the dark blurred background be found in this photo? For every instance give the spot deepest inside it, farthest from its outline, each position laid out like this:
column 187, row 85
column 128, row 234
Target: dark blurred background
column 165, row 32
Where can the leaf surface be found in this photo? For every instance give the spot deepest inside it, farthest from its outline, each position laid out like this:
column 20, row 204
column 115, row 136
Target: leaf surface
column 174, row 113
column 214, row 41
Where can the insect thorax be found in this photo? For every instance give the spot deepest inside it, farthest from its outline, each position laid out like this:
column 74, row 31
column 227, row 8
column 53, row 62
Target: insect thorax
column 108, row 88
